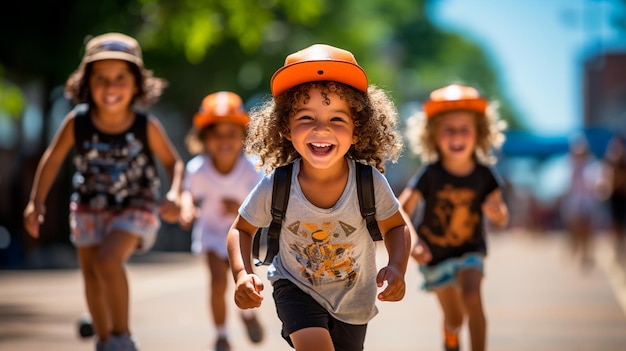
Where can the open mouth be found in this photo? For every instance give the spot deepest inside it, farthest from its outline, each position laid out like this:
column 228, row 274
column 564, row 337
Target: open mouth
column 111, row 99
column 457, row 148
column 321, row 148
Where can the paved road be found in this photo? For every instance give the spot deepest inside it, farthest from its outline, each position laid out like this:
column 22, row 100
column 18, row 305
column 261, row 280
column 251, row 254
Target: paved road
column 536, row 299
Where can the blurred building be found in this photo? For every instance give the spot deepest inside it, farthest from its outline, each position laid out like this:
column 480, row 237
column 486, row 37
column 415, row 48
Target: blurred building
column 604, row 91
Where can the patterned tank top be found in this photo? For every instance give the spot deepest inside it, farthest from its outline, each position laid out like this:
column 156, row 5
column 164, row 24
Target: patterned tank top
column 113, row 171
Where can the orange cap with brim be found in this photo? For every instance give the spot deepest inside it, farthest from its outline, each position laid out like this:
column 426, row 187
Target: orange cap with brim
column 221, row 107
column 316, row 63
column 454, row 97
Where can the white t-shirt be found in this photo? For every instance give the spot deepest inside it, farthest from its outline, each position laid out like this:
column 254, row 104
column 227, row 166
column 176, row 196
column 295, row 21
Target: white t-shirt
column 208, row 188
column 327, row 253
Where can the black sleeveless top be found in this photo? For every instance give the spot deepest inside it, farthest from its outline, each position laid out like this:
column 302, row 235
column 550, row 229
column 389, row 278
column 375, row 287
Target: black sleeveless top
column 113, row 171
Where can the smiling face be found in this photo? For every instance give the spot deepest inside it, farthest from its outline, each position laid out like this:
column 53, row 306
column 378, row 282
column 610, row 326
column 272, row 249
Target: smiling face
column 112, row 86
column 455, row 136
column 322, row 130
column 224, row 141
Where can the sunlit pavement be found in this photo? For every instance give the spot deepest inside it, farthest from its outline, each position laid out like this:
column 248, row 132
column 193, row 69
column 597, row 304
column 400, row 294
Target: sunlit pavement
column 536, row 298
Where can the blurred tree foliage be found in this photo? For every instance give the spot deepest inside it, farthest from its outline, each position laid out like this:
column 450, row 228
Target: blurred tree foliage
column 201, row 46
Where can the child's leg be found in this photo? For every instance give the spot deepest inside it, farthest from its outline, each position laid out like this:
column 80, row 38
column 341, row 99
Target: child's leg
column 218, row 267
column 449, row 298
column 470, row 280
column 115, row 249
column 312, row 339
column 94, row 292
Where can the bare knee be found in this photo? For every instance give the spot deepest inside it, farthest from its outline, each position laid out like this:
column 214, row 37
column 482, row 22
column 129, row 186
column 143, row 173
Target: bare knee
column 472, row 300
column 107, row 265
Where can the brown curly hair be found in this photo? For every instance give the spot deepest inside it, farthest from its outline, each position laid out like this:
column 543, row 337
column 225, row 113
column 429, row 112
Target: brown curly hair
column 421, row 135
column 149, row 88
column 374, row 114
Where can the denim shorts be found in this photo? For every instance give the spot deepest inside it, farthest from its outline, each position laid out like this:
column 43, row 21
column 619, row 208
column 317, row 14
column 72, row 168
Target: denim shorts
column 298, row 310
column 445, row 273
column 90, row 228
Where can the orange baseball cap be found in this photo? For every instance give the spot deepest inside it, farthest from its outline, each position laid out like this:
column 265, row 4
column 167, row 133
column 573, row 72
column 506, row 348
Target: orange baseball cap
column 316, row 63
column 223, row 106
column 454, row 97
column 114, row 46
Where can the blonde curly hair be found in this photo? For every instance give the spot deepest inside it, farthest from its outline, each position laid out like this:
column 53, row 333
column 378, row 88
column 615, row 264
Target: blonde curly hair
column 374, row 114
column 421, row 135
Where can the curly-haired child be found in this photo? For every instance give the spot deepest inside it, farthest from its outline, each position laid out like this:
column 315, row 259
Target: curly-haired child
column 115, row 207
column 455, row 135
column 323, row 118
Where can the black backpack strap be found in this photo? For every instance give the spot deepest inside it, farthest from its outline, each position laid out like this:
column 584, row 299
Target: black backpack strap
column 367, row 201
column 280, row 198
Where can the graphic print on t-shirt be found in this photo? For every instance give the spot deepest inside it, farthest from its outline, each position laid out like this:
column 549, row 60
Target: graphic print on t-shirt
column 321, row 261
column 109, row 173
column 454, row 216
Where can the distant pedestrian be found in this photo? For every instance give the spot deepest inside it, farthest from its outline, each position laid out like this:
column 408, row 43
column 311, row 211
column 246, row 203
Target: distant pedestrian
column 454, row 136
column 579, row 201
column 216, row 182
column 115, row 206
column 614, row 181
column 323, row 119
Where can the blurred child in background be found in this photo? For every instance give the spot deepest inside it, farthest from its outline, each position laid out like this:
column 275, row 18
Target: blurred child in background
column 454, row 136
column 216, row 181
column 115, row 205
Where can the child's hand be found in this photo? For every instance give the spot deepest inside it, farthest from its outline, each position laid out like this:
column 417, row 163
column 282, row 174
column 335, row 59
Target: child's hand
column 421, row 253
column 170, row 209
column 33, row 217
column 231, row 206
column 187, row 216
column 494, row 209
column 396, row 287
column 248, row 291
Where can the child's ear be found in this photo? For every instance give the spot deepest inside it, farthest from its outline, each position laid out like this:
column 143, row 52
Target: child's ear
column 286, row 135
column 355, row 139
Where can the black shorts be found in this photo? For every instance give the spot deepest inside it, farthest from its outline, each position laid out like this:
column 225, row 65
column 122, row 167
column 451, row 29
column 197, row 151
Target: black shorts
column 298, row 310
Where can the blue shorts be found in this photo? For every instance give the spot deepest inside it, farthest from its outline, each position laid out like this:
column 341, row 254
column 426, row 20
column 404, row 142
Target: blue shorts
column 298, row 310
column 445, row 273
column 90, row 228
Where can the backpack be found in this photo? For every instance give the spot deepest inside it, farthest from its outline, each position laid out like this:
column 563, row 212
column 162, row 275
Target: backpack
column 280, row 198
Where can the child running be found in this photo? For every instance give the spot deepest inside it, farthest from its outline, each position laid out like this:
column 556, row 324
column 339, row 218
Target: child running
column 454, row 135
column 216, row 182
column 323, row 118
column 115, row 205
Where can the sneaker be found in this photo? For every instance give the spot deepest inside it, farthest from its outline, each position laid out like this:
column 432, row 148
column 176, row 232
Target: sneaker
column 101, row 345
column 222, row 344
column 255, row 331
column 121, row 342
column 451, row 341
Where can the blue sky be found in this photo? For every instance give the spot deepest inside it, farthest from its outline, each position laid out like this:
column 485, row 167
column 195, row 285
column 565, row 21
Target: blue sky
column 538, row 48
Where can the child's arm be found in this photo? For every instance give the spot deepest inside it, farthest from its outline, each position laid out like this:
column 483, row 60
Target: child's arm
column 409, row 199
column 248, row 285
column 398, row 243
column 46, row 173
column 187, row 209
column 495, row 209
column 162, row 147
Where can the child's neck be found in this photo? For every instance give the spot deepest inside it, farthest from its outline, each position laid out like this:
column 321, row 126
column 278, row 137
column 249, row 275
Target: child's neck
column 458, row 167
column 224, row 166
column 112, row 123
column 323, row 187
